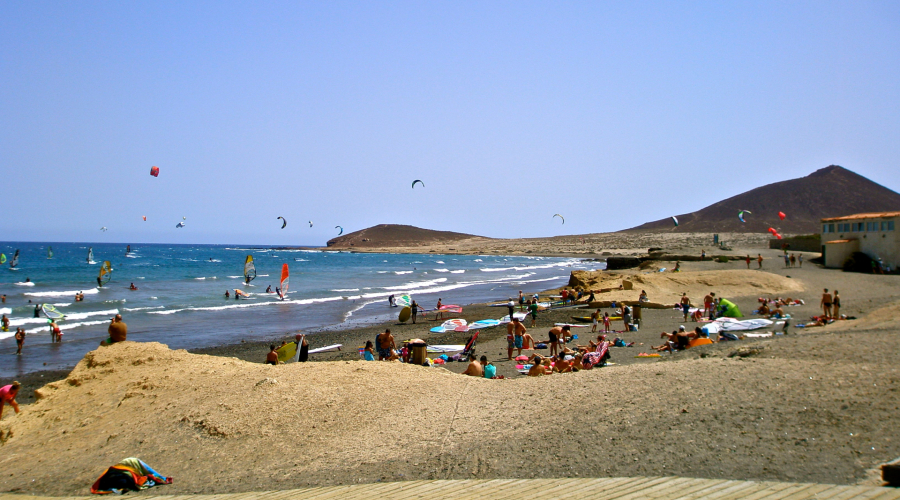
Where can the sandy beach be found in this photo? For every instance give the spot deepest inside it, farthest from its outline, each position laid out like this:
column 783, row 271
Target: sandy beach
column 817, row 405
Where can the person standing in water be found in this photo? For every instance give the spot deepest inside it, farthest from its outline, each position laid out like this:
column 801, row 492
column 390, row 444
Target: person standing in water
column 20, row 340
column 37, row 310
column 4, row 323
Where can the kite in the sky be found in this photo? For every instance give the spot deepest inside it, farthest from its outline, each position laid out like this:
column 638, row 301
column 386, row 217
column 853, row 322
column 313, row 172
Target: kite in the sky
column 675, row 220
column 560, row 216
column 342, row 230
column 180, row 224
column 774, row 233
column 154, row 171
column 145, row 218
column 283, row 222
column 104, row 229
column 781, row 215
column 741, row 214
column 310, row 223
column 419, row 181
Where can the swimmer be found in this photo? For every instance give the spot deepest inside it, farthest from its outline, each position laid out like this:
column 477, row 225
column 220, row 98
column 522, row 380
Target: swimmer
column 269, row 289
column 132, row 287
column 227, row 295
column 4, row 323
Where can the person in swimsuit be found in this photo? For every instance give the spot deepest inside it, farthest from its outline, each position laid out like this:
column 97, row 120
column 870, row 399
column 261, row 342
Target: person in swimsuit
column 8, row 395
column 272, row 356
column 474, row 369
column 759, row 260
column 490, row 371
column 519, row 334
column 4, row 323
column 20, row 340
column 836, row 304
column 132, row 287
column 533, row 308
column 826, row 304
column 595, row 319
column 685, row 305
column 537, row 367
column 369, row 351
column 510, row 339
column 606, row 322
column 386, row 345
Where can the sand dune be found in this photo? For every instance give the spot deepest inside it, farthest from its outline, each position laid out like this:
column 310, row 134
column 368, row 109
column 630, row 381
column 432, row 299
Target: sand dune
column 221, row 425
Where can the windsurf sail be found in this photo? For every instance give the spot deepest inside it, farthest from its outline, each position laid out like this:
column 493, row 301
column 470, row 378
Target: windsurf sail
column 51, row 312
column 249, row 269
column 105, row 272
column 49, row 252
column 90, row 257
column 2, row 258
column 403, row 300
column 285, row 278
column 15, row 260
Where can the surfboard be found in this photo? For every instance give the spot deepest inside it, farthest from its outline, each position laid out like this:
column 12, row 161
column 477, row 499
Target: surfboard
column 405, row 314
column 51, row 312
column 326, row 348
column 445, row 348
column 287, row 351
column 570, row 325
column 484, row 323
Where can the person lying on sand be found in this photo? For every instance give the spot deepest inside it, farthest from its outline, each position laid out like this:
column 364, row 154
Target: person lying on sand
column 576, row 363
column 474, row 369
column 776, row 313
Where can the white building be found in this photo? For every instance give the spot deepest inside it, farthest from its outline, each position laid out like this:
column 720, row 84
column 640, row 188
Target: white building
column 873, row 234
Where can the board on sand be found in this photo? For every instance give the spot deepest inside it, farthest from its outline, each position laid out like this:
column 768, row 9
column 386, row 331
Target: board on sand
column 326, row 348
column 445, row 348
column 405, row 314
column 287, row 351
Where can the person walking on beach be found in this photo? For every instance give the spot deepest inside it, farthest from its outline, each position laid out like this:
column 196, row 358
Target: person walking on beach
column 512, row 308
column 415, row 310
column 748, row 261
column 759, row 260
column 438, row 309
column 20, row 340
column 787, row 261
column 793, row 260
column 595, row 319
column 836, row 305
column 685, row 305
column 386, row 345
column 521, row 300
column 799, row 260
column 118, row 331
column 825, row 303
column 708, row 302
column 8, row 395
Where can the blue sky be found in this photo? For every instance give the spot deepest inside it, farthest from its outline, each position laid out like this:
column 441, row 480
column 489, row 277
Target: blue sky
column 612, row 114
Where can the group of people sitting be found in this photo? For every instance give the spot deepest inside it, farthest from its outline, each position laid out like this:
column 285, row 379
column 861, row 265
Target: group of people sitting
column 583, row 357
column 680, row 339
column 481, row 368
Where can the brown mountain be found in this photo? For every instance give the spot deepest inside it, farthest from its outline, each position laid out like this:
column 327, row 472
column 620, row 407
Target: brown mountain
column 828, row 192
column 397, row 235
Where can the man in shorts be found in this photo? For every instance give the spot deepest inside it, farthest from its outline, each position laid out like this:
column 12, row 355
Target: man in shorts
column 386, row 346
column 519, row 331
column 533, row 308
column 117, row 330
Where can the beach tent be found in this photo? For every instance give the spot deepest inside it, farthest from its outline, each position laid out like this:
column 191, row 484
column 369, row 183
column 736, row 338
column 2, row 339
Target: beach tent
column 729, row 309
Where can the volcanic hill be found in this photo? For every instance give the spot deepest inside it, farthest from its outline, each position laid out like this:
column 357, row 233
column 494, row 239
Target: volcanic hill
column 397, row 235
column 828, row 192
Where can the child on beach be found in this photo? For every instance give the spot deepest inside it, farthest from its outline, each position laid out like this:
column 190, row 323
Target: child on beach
column 369, row 352
column 606, row 325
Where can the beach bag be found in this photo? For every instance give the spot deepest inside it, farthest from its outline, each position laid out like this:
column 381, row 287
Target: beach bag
column 541, row 346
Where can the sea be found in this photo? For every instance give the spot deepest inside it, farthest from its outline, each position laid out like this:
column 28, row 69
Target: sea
column 180, row 297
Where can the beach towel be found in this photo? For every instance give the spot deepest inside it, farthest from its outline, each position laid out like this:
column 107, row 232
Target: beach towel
column 599, row 357
column 129, row 474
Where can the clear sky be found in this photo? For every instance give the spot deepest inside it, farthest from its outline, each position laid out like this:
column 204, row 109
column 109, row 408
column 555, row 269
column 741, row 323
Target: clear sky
column 610, row 113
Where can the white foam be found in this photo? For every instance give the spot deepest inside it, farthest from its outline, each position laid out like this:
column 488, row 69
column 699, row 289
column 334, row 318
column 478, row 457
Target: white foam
column 458, row 271
column 66, row 326
column 235, row 277
column 442, row 270
column 417, row 284
column 438, row 262
column 89, row 291
column 402, row 272
column 5, row 310
column 135, row 309
column 26, row 283
column 345, row 290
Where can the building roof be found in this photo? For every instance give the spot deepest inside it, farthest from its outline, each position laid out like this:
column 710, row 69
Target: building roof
column 833, row 242
column 872, row 215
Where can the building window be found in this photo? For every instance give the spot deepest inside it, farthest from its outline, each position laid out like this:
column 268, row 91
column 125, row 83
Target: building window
column 890, row 225
column 830, row 228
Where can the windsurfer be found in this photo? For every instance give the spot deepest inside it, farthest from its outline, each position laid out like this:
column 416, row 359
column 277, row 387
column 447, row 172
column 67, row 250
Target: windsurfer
column 99, row 282
column 269, row 289
column 132, row 287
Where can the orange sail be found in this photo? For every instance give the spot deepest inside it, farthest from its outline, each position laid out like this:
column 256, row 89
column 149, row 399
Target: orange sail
column 285, row 278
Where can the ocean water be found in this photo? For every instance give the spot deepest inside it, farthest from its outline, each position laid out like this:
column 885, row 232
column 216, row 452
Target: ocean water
column 180, row 298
